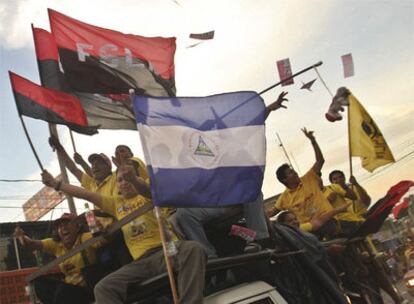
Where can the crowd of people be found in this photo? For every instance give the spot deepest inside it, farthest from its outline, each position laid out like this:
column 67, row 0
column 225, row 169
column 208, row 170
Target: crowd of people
column 320, row 212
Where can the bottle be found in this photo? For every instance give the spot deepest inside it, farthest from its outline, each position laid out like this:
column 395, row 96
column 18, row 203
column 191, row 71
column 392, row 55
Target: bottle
column 91, row 220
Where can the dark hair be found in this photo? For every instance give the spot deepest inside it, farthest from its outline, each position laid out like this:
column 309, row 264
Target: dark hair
column 281, row 173
column 281, row 216
column 124, row 146
column 336, row 172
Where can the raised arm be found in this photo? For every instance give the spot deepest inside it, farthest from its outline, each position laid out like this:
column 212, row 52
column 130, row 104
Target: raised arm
column 27, row 241
column 69, row 163
column 93, row 197
column 132, row 176
column 319, row 159
column 81, row 162
column 276, row 104
column 365, row 198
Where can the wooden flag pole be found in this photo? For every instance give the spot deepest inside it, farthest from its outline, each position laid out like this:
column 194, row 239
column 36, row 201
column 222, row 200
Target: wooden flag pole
column 30, row 143
column 72, row 140
column 167, row 256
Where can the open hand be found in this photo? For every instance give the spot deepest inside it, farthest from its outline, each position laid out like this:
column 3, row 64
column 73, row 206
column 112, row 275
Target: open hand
column 279, row 102
column 308, row 134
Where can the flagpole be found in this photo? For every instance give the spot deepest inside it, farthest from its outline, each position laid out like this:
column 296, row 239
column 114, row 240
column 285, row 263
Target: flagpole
column 72, row 140
column 53, row 132
column 166, row 255
column 349, row 154
column 291, row 77
column 30, row 142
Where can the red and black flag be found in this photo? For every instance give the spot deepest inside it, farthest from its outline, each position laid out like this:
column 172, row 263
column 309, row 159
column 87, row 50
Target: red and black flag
column 49, row 105
column 105, row 111
column 98, row 60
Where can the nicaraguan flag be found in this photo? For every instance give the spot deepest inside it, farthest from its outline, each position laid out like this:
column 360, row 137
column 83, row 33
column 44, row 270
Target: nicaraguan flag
column 203, row 151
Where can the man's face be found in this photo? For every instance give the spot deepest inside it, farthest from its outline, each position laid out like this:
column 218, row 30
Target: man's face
column 127, row 189
column 291, row 220
column 292, row 177
column 67, row 231
column 100, row 169
column 122, row 153
column 338, row 178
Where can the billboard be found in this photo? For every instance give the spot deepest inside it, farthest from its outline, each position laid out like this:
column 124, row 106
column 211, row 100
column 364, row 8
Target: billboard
column 42, row 202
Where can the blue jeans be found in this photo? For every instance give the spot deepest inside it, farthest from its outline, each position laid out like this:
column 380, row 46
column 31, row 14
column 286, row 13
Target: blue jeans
column 191, row 221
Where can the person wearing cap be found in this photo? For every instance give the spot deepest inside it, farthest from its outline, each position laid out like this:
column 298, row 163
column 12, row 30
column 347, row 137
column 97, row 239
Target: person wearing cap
column 73, row 289
column 143, row 241
column 102, row 179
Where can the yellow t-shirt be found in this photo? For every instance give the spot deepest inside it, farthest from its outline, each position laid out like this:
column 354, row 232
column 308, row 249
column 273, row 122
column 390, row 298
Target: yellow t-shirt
column 360, row 208
column 306, row 201
column 340, row 201
column 107, row 187
column 71, row 267
column 140, row 234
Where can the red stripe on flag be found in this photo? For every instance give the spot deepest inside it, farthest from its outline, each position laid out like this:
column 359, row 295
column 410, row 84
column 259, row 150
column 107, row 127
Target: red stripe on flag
column 89, row 40
column 65, row 105
column 45, row 45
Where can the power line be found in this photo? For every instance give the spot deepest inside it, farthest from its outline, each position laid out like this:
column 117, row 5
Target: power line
column 20, row 180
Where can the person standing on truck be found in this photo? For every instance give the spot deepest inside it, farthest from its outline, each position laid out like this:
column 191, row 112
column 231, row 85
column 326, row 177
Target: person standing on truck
column 73, row 289
column 143, row 241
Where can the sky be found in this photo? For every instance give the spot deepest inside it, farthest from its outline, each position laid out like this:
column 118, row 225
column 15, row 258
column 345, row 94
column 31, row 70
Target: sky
column 250, row 36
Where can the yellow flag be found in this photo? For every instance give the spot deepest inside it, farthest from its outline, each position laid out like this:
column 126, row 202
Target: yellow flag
column 366, row 139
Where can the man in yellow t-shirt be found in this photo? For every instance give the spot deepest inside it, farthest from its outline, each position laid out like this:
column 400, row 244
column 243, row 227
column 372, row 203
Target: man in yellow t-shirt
column 348, row 220
column 303, row 195
column 73, row 289
column 354, row 192
column 143, row 241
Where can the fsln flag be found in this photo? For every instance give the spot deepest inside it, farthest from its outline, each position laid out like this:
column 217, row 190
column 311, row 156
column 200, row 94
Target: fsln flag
column 49, row 105
column 203, row 151
column 203, row 36
column 285, row 71
column 99, row 60
column 105, row 111
column 366, row 139
column 348, row 65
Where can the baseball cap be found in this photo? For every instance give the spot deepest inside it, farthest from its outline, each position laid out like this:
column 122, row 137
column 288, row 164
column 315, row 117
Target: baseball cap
column 64, row 217
column 100, row 156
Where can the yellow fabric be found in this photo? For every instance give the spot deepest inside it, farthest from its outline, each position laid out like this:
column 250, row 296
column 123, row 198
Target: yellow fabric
column 366, row 139
column 306, row 201
column 108, row 187
column 306, row 227
column 140, row 234
column 360, row 208
column 340, row 201
column 71, row 267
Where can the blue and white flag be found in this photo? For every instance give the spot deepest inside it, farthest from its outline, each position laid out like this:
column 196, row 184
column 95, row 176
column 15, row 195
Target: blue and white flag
column 203, row 151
